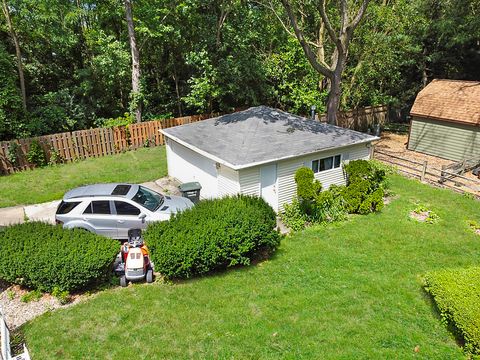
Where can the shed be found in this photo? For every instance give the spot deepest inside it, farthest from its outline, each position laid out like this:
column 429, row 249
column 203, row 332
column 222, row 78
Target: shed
column 445, row 120
column 257, row 152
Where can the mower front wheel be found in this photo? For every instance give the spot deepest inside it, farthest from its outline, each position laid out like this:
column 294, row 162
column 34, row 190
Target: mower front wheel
column 123, row 281
column 149, row 276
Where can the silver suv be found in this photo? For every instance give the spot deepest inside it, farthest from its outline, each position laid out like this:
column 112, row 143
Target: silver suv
column 112, row 209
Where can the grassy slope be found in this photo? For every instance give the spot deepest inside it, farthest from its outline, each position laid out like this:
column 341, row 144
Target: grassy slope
column 342, row 292
column 50, row 183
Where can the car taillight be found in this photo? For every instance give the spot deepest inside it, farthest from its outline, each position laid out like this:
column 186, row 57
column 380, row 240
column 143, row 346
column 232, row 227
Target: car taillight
column 58, row 222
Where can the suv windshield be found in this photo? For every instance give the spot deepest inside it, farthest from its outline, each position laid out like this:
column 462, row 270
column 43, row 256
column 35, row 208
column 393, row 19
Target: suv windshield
column 148, row 198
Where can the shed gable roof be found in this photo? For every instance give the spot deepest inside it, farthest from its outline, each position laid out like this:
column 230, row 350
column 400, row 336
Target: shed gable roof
column 449, row 100
column 260, row 135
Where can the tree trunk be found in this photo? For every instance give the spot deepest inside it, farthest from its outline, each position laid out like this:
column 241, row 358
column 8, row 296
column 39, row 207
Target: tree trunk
column 18, row 53
column 136, row 90
column 334, row 96
column 177, row 92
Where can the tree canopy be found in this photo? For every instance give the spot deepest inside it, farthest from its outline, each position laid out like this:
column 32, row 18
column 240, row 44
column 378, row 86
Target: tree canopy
column 216, row 55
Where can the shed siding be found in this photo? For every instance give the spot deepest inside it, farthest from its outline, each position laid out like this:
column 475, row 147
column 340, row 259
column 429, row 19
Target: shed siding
column 228, row 182
column 186, row 165
column 286, row 170
column 447, row 140
column 250, row 181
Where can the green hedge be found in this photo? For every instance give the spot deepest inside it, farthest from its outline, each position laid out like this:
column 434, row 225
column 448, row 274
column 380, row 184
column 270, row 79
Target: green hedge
column 457, row 295
column 212, row 235
column 44, row 257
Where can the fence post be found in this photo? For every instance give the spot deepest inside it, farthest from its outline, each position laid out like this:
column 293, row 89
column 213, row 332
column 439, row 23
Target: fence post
column 442, row 175
column 424, row 170
column 372, row 152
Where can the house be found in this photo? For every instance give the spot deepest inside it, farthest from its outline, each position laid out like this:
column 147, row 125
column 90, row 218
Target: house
column 445, row 120
column 257, row 152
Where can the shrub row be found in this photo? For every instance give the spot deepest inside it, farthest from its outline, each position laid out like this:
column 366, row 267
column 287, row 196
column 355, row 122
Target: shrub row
column 214, row 234
column 45, row 257
column 457, row 295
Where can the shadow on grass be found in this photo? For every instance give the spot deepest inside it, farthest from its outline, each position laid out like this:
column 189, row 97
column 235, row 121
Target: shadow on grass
column 226, row 271
column 450, row 325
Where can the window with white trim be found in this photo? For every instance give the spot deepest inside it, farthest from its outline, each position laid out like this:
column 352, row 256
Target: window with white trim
column 327, row 163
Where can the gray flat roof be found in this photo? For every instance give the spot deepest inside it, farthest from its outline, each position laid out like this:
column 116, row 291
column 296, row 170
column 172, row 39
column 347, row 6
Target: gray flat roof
column 261, row 135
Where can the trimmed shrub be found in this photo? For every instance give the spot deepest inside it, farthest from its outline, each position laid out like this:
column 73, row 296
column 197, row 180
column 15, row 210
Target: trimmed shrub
column 457, row 295
column 307, row 186
column 365, row 187
column 215, row 234
column 44, row 257
column 307, row 189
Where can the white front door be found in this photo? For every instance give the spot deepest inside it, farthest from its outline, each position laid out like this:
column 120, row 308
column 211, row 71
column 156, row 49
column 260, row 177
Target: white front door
column 268, row 184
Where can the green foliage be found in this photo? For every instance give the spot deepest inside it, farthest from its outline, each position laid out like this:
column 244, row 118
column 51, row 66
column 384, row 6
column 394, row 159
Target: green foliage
column 124, row 120
column 30, row 296
column 365, row 187
column 55, row 157
column 426, row 215
column 330, row 205
column 12, row 117
column 307, row 186
column 475, row 226
column 215, row 234
column 12, row 153
column 45, row 257
column 457, row 295
column 307, row 189
column 36, row 155
column 62, row 296
column 10, row 294
column 201, row 56
column 293, row 216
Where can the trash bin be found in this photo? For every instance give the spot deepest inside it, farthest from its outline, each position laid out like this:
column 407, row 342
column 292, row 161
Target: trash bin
column 191, row 190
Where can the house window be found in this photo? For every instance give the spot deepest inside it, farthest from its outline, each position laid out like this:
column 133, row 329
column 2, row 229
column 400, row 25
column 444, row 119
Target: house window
column 327, row 163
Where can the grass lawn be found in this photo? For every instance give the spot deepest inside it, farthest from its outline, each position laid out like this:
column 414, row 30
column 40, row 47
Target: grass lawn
column 352, row 291
column 50, row 183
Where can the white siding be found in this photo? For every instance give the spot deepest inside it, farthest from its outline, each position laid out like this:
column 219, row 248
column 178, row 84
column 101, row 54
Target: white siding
column 228, row 182
column 250, row 181
column 287, row 187
column 186, row 165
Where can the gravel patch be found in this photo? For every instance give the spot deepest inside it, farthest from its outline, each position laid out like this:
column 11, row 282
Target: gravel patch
column 18, row 313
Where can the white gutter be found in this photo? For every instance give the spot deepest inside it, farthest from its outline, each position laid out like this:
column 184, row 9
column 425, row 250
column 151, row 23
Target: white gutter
column 244, row 166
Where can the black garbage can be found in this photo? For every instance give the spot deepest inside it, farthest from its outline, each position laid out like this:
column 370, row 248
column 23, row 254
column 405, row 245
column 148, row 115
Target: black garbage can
column 191, row 190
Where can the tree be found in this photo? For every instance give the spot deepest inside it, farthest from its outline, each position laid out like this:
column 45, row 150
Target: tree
column 136, row 86
column 13, row 34
column 340, row 36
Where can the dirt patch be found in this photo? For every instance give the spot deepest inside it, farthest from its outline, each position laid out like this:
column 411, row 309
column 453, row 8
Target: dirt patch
column 422, row 214
column 392, row 144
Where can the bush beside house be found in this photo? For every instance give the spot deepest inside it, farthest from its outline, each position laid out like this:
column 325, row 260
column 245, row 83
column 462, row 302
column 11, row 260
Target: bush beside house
column 457, row 295
column 46, row 257
column 215, row 234
column 362, row 194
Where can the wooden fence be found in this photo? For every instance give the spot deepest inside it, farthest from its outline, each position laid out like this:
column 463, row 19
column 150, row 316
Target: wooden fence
column 83, row 144
column 426, row 173
column 361, row 119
